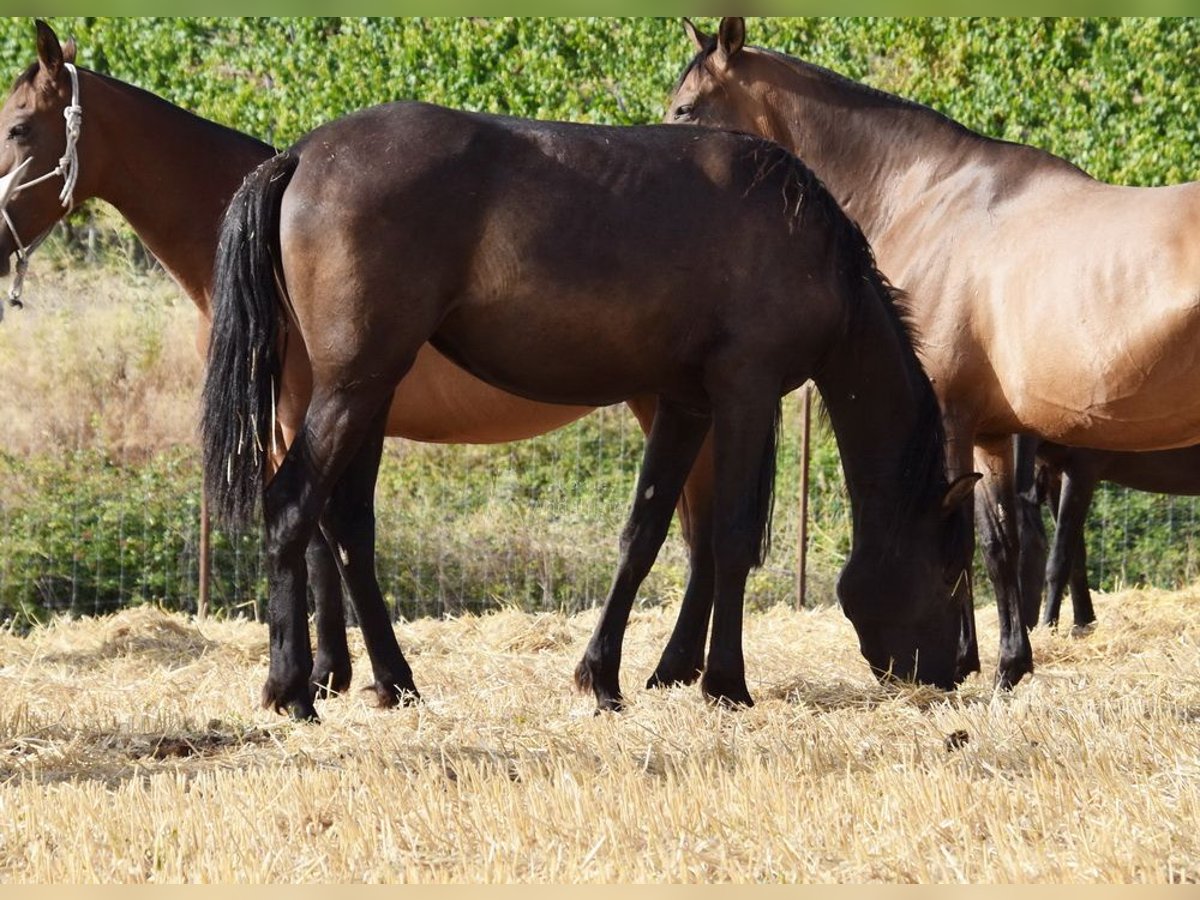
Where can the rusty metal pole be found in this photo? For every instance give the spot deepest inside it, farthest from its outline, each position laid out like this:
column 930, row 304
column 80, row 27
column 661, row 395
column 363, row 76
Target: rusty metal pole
column 802, row 541
column 202, row 597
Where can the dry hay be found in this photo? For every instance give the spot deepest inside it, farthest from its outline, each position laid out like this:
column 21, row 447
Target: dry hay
column 132, row 749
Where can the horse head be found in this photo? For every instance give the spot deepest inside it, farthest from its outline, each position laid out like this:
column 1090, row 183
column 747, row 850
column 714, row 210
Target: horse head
column 40, row 126
column 716, row 88
column 904, row 593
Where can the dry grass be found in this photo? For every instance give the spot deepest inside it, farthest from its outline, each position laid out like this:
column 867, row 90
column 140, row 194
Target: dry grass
column 132, row 749
column 99, row 360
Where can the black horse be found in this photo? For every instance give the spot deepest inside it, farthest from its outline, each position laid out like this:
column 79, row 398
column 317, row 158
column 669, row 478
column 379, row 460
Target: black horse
column 572, row 264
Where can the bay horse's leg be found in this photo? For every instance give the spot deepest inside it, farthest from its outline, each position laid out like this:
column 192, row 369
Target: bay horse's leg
column 745, row 424
column 674, row 440
column 293, row 502
column 1075, row 498
column 332, row 667
column 1081, row 593
column 996, row 520
column 349, row 528
column 1031, row 530
column 682, row 659
column 960, row 461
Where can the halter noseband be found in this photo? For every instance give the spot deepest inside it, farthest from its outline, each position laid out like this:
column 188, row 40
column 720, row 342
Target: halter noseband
column 67, row 168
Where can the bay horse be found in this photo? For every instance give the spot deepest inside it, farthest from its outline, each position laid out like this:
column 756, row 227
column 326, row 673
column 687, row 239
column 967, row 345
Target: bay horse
column 578, row 264
column 1001, row 248
column 170, row 174
column 1070, row 476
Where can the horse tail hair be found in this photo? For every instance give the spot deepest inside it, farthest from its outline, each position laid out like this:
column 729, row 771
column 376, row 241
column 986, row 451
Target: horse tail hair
column 242, row 375
column 766, row 487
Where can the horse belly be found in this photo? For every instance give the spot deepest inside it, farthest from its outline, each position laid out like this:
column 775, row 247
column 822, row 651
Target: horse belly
column 1117, row 383
column 439, row 402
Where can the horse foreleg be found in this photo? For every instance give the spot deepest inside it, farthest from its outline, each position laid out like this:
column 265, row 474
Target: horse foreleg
column 349, row 527
column 959, row 462
column 682, row 660
column 744, row 442
column 674, row 440
column 332, row 667
column 996, row 520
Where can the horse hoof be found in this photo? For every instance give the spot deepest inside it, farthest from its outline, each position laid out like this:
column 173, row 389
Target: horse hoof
column 303, row 712
column 298, row 704
column 727, row 693
column 609, row 704
column 666, row 676
column 328, row 682
column 1009, row 676
column 607, row 691
column 388, row 696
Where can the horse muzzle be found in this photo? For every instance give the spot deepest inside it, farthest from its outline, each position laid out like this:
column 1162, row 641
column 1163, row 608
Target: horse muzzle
column 11, row 183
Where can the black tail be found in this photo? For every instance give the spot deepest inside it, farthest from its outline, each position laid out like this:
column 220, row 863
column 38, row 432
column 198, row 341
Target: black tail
column 243, row 354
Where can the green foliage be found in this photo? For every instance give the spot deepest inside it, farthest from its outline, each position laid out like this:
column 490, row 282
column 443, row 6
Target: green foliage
column 1115, row 96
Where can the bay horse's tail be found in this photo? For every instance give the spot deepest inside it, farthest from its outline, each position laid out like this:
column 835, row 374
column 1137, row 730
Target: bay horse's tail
column 243, row 369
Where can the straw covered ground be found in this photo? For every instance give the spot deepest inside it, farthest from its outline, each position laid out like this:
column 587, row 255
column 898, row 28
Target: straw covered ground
column 132, row 749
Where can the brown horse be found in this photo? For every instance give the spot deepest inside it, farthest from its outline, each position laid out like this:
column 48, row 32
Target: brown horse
column 556, row 261
column 170, row 174
column 1002, row 248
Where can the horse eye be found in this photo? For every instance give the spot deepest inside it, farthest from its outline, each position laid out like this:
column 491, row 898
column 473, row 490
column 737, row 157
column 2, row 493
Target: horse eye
column 20, row 130
column 684, row 111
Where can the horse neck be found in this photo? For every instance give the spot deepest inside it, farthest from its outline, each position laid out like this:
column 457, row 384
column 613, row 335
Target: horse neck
column 872, row 150
column 168, row 172
column 882, row 408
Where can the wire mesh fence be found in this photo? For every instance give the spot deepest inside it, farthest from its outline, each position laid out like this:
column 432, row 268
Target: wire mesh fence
column 467, row 528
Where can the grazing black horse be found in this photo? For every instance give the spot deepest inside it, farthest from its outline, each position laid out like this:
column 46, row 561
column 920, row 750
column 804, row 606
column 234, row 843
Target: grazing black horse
column 573, row 264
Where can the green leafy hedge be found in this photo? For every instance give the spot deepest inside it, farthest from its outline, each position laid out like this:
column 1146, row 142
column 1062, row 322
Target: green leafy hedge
column 1116, row 96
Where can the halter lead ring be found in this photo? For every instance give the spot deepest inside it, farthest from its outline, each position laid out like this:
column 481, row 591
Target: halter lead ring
column 67, row 168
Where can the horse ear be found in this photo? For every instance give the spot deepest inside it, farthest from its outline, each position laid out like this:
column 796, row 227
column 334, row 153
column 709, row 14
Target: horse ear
column 959, row 492
column 68, row 50
column 699, row 39
column 50, row 52
column 731, row 37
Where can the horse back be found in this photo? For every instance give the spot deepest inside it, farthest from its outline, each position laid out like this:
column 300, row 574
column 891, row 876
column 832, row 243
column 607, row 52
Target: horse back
column 609, row 239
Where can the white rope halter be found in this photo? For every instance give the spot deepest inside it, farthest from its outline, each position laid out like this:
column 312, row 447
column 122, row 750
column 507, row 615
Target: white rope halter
column 68, row 169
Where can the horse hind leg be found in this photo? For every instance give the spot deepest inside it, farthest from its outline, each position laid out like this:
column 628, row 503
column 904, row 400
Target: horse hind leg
column 674, row 440
column 293, row 503
column 349, row 528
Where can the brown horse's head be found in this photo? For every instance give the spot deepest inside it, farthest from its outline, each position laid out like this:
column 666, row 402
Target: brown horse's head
column 34, row 132
column 718, row 87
